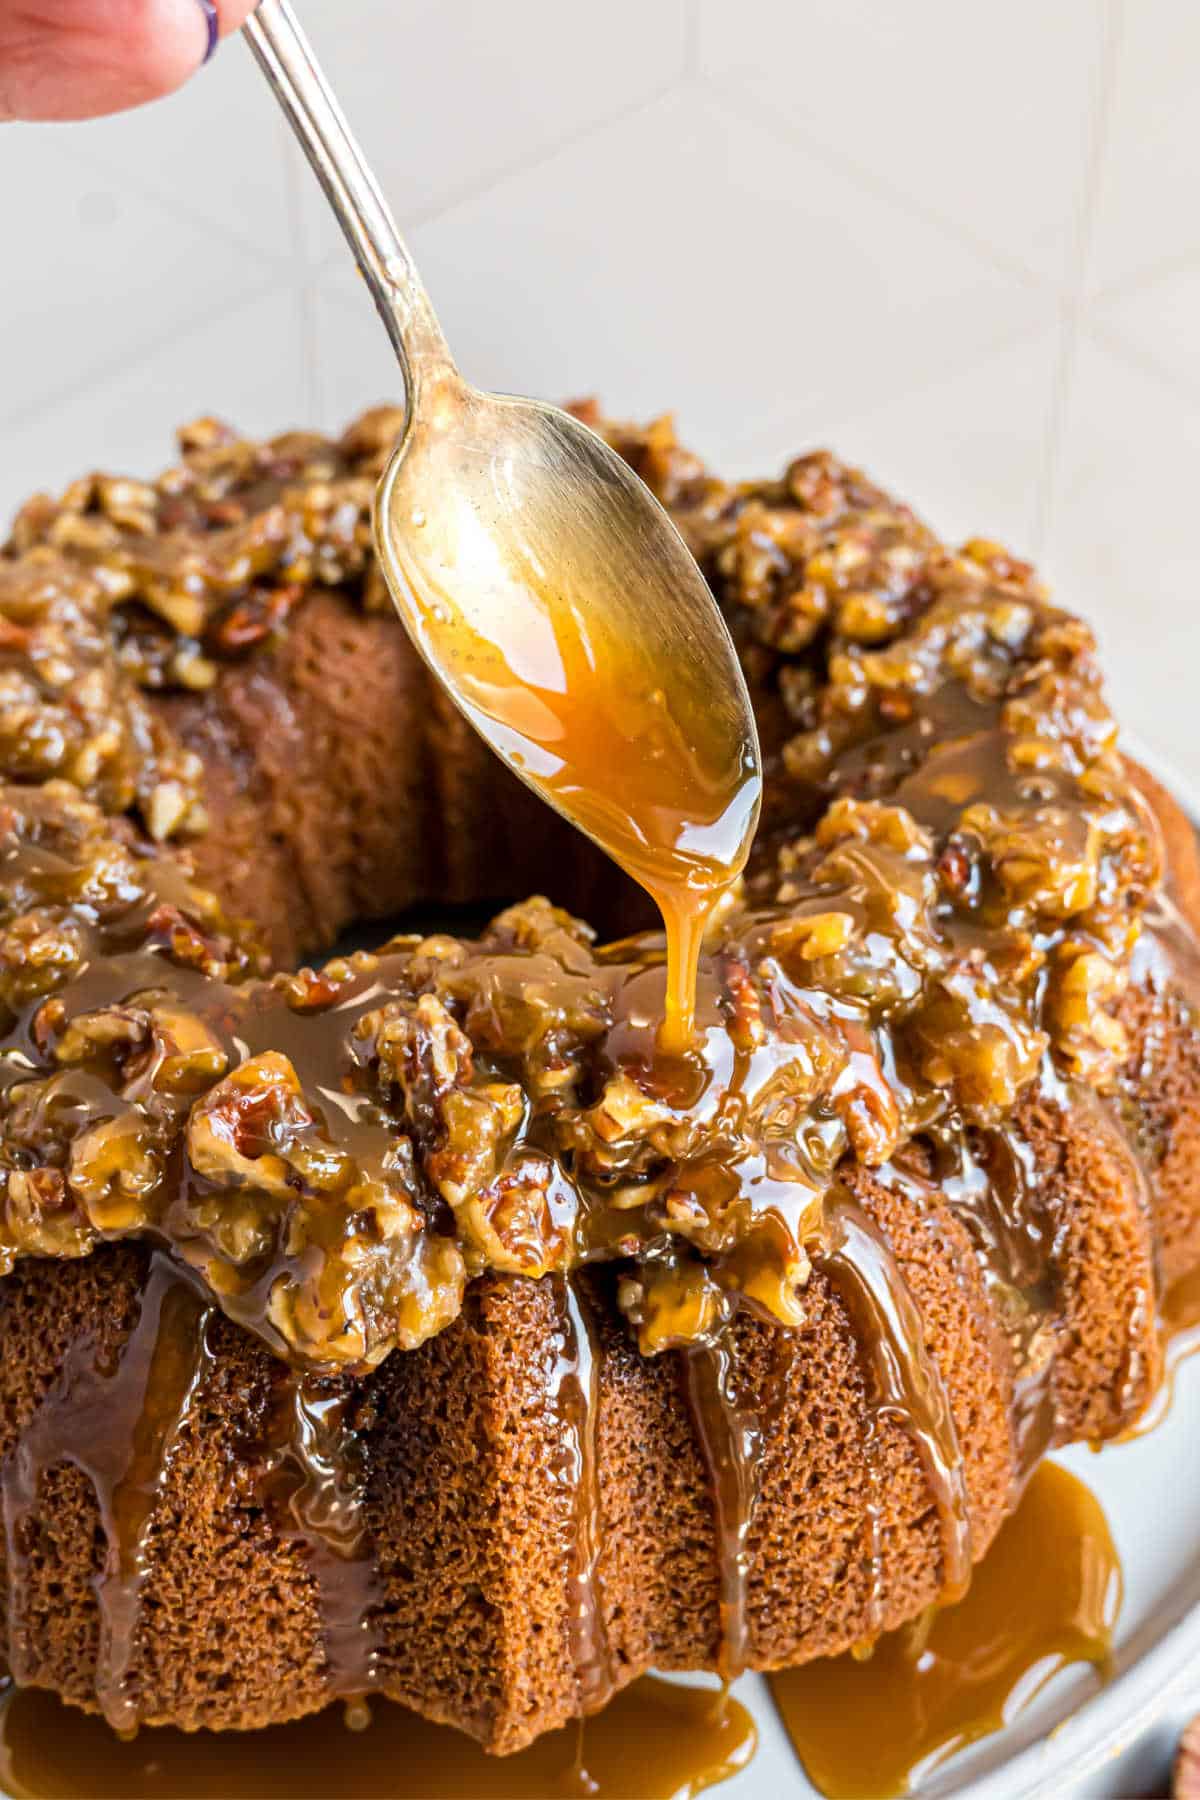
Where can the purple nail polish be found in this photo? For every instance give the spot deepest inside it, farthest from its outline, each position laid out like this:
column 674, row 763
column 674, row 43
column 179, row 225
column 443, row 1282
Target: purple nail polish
column 213, row 23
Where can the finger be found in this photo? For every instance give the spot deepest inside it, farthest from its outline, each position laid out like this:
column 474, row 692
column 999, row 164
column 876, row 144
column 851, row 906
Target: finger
column 75, row 59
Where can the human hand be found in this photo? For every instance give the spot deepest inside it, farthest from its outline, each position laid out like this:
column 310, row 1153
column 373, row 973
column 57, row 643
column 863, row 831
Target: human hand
column 75, row 59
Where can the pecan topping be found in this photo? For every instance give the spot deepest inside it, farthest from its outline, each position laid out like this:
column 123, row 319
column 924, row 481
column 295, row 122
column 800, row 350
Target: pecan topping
column 942, row 910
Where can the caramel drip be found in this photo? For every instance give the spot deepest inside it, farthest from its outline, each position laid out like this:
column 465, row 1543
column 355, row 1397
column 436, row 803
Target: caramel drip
column 313, row 1484
column 905, row 1382
column 575, row 1395
column 990, row 1182
column 119, row 1425
column 1045, row 1596
column 731, row 1440
column 659, row 1740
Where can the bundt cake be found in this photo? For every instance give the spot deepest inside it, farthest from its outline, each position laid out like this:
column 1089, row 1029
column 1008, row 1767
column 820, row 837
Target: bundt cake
column 411, row 1325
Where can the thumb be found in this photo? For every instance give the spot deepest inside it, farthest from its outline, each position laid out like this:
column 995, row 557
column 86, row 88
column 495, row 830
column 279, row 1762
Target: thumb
column 75, row 59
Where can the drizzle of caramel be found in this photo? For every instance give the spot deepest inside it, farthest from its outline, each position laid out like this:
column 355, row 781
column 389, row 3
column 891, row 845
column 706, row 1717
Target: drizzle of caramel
column 312, row 1485
column 990, row 1182
column 730, row 1436
column 904, row 1386
column 905, row 1383
column 575, row 1396
column 669, row 789
column 1180, row 1308
column 657, row 1739
column 1046, row 1595
column 733, row 1430
column 118, row 1425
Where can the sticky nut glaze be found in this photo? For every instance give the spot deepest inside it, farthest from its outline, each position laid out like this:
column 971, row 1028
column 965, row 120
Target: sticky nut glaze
column 942, row 913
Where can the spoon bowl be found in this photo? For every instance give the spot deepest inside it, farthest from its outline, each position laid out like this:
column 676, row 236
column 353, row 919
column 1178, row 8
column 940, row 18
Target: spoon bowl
column 554, row 598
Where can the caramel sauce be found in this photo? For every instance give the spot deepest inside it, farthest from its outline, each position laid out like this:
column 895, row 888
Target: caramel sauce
column 118, row 1425
column 656, row 1739
column 1179, row 1309
column 311, row 1482
column 990, row 1183
column 615, row 740
column 730, row 1436
column 905, row 1383
column 1046, row 1595
column 574, row 1396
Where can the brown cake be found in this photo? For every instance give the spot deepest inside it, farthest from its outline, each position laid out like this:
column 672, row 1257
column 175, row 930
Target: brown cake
column 410, row 1326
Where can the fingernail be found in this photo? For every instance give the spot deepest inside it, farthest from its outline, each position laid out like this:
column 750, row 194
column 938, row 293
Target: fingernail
column 212, row 21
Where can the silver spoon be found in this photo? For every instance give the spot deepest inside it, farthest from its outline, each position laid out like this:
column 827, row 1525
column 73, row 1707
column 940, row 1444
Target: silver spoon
column 542, row 582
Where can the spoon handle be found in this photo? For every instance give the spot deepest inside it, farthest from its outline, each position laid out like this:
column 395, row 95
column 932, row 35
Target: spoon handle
column 294, row 75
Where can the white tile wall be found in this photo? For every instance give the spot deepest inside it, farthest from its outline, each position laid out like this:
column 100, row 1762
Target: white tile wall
column 961, row 243
column 976, row 115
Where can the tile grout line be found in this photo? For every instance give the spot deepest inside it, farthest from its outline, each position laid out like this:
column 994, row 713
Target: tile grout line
column 1163, row 268
column 170, row 204
column 1132, row 356
column 1011, row 338
column 690, row 65
column 734, row 99
column 841, row 438
column 1071, row 311
column 477, row 190
column 179, row 331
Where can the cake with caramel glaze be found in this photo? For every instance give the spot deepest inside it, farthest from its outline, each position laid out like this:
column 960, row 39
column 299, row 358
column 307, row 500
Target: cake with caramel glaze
column 412, row 1325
